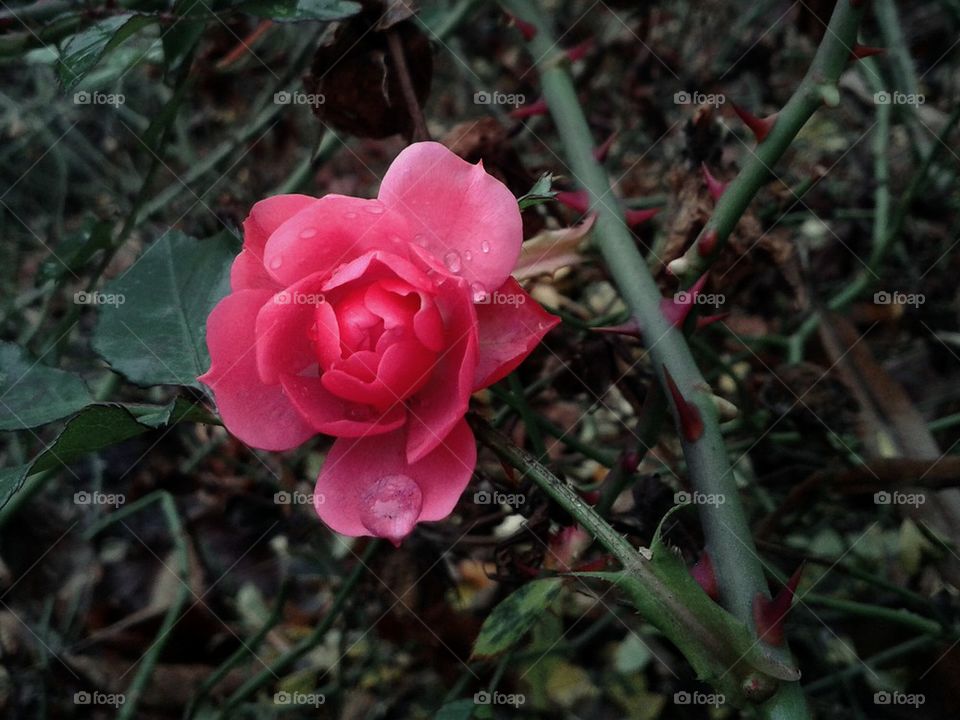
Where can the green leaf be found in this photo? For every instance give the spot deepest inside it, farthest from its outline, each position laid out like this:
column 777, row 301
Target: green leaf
column 75, row 250
column 461, row 709
column 96, row 427
column 83, row 51
column 541, row 192
column 512, row 618
column 181, row 37
column 156, row 333
column 295, row 10
column 33, row 394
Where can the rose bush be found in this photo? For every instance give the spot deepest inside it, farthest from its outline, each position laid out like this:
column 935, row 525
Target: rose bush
column 373, row 321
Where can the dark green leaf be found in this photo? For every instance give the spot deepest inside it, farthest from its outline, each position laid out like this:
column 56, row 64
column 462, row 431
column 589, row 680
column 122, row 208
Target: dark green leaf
column 83, row 51
column 33, row 394
column 75, row 250
column 461, row 709
column 541, row 192
column 294, row 10
column 156, row 333
column 512, row 618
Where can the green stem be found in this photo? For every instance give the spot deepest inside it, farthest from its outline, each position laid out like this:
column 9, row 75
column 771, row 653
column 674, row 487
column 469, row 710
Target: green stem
column 818, row 87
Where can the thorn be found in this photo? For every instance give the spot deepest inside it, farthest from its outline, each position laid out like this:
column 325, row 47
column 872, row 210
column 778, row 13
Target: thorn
column 508, row 471
column 678, row 266
column 726, row 410
column 594, row 565
column 528, row 30
column 576, row 200
column 760, row 127
column 631, row 328
column 630, row 461
column 703, row 573
column 707, row 243
column 600, row 153
column 580, row 50
column 706, row 320
column 591, row 497
column 769, row 614
column 677, row 309
column 537, row 107
column 864, row 51
column 637, row 217
column 715, row 187
column 691, row 424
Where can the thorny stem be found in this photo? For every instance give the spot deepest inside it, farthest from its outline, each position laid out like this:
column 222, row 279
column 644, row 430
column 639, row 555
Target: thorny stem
column 736, row 563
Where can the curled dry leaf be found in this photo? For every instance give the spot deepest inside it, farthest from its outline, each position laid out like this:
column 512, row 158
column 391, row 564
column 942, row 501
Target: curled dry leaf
column 551, row 250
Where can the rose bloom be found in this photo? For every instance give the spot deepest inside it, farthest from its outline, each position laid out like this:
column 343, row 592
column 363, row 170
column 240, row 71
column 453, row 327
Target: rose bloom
column 374, row 321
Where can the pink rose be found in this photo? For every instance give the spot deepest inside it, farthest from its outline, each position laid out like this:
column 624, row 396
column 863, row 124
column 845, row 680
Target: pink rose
column 374, row 321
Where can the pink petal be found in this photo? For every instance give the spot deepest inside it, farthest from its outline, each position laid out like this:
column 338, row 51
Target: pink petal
column 443, row 401
column 284, row 342
column 248, row 273
column 465, row 217
column 331, row 231
column 331, row 415
column 510, row 326
column 267, row 215
column 260, row 415
column 368, row 487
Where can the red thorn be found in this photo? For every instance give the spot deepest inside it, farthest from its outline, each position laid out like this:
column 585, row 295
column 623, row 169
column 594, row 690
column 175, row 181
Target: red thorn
column 594, row 565
column 769, row 614
column 691, row 424
column 677, row 309
column 707, row 243
column 537, row 107
column 508, row 471
column 760, row 127
column 600, row 153
column 576, row 200
column 703, row 573
column 631, row 328
column 636, row 217
column 864, row 51
column 706, row 320
column 715, row 187
column 580, row 50
column 591, row 497
column 528, row 30
column 630, row 461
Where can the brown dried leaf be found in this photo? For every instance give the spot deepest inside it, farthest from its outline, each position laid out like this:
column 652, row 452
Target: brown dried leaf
column 551, row 250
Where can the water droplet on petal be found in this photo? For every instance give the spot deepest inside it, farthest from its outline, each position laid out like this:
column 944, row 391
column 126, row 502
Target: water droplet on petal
column 276, row 262
column 452, row 261
column 391, row 507
column 374, row 209
column 358, row 412
column 350, row 215
column 308, row 233
column 468, row 256
column 420, row 240
column 396, row 239
column 485, row 247
column 479, row 292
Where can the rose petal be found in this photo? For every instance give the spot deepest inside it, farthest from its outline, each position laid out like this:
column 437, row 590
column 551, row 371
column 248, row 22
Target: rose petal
column 331, row 415
column 267, row 215
column 509, row 326
column 260, row 415
column 368, row 487
column 444, row 400
column 248, row 273
column 464, row 216
column 284, row 324
column 331, row 231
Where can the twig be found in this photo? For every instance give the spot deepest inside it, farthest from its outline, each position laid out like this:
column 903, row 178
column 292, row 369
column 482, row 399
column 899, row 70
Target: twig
column 420, row 131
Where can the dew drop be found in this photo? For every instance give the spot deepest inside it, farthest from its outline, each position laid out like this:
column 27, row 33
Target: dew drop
column 467, row 256
column 350, row 215
column 484, row 247
column 391, row 506
column 479, row 292
column 276, row 263
column 308, row 233
column 358, row 412
column 420, row 240
column 396, row 239
column 374, row 209
column 452, row 261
